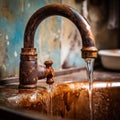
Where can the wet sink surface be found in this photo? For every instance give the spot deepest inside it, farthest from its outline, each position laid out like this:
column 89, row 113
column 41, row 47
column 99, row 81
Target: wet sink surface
column 69, row 100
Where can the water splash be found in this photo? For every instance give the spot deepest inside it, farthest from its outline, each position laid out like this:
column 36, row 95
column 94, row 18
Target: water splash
column 90, row 63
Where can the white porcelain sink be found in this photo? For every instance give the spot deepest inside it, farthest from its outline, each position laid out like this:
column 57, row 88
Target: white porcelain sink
column 110, row 58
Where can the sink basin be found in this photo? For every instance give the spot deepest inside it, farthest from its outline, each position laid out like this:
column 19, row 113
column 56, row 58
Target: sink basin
column 68, row 99
column 110, row 58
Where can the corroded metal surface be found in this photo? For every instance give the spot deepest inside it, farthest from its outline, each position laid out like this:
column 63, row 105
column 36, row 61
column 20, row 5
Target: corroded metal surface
column 49, row 72
column 62, row 10
column 28, row 77
column 69, row 100
column 30, row 72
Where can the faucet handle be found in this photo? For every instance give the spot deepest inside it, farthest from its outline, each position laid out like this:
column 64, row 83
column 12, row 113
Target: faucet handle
column 49, row 72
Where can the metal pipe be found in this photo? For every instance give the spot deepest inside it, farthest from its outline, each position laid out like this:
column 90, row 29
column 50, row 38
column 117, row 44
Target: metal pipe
column 28, row 64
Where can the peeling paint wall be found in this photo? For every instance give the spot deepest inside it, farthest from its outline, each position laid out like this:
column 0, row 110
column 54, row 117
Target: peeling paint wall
column 71, row 40
column 56, row 38
column 14, row 15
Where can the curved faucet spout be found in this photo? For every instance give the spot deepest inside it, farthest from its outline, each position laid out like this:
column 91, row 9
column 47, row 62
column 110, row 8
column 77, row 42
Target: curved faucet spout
column 65, row 11
column 28, row 64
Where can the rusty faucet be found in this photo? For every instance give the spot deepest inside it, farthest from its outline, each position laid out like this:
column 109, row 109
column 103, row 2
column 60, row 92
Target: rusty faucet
column 29, row 69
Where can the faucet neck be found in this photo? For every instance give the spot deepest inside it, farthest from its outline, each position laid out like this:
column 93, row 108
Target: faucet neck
column 65, row 11
column 28, row 64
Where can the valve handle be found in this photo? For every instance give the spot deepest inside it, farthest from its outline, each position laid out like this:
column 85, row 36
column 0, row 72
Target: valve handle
column 49, row 72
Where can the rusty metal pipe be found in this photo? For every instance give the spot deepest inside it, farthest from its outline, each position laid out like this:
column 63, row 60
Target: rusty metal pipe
column 65, row 11
column 28, row 64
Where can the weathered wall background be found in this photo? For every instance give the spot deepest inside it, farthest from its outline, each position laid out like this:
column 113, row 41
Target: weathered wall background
column 56, row 37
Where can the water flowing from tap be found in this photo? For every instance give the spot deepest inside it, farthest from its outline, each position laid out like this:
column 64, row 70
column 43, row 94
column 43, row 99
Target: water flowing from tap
column 50, row 88
column 89, row 66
